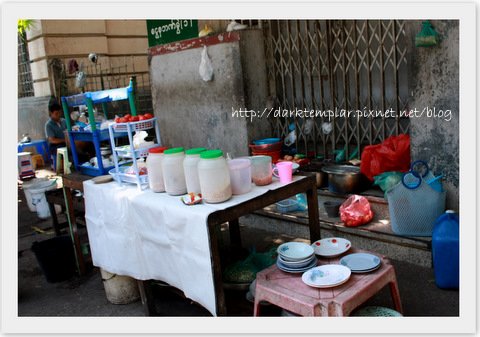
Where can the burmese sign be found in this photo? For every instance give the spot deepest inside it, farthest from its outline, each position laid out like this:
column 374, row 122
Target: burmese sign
column 166, row 31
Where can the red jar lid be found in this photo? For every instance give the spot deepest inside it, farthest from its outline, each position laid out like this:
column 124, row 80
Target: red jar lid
column 157, row 149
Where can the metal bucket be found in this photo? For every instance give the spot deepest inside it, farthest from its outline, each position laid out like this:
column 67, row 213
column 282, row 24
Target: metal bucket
column 119, row 289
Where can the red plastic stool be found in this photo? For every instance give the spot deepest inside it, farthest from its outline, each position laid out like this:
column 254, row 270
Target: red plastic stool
column 288, row 291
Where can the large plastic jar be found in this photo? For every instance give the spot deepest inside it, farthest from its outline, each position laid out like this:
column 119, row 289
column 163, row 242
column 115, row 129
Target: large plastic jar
column 446, row 250
column 173, row 175
column 240, row 175
column 192, row 157
column 214, row 177
column 154, row 168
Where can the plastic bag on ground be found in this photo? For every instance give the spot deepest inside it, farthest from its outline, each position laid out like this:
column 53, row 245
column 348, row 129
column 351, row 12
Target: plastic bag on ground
column 356, row 211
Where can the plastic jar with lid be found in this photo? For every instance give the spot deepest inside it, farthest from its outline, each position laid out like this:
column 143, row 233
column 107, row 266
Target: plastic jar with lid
column 154, row 168
column 192, row 157
column 214, row 177
column 173, row 175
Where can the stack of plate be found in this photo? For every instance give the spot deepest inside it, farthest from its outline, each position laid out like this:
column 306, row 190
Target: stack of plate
column 295, row 257
column 326, row 276
column 361, row 262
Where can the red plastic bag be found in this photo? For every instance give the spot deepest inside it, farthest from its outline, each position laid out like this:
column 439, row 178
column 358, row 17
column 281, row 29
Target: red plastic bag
column 355, row 211
column 391, row 155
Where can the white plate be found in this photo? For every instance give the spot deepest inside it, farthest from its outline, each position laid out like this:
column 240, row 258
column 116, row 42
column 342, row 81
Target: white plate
column 296, row 270
column 287, row 261
column 359, row 262
column 302, row 264
column 326, row 276
column 366, row 270
column 331, row 247
column 295, row 251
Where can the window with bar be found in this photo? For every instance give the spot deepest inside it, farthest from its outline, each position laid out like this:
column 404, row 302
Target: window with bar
column 25, row 82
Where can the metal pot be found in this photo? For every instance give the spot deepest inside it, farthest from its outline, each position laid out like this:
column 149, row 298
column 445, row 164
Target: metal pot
column 345, row 179
column 320, row 176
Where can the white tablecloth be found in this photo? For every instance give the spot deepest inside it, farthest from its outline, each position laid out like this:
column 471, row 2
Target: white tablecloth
column 147, row 235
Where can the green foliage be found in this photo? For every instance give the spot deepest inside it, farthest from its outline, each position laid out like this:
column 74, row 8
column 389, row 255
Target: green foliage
column 24, row 25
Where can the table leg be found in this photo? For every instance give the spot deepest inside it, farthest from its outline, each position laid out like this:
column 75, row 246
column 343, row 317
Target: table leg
column 256, row 307
column 234, row 230
column 74, row 230
column 217, row 269
column 53, row 213
column 148, row 303
column 396, row 296
column 313, row 216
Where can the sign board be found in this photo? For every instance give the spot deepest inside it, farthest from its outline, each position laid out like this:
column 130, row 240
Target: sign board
column 166, row 31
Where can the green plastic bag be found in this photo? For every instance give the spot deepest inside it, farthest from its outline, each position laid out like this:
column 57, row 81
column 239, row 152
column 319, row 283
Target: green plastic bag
column 245, row 271
column 387, row 180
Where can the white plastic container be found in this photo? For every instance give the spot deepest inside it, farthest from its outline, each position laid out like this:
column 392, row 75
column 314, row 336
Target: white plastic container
column 34, row 183
column 39, row 199
column 240, row 175
column 173, row 175
column 192, row 157
column 154, row 168
column 214, row 177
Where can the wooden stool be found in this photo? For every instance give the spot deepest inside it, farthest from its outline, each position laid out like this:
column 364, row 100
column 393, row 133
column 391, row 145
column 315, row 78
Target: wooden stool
column 288, row 291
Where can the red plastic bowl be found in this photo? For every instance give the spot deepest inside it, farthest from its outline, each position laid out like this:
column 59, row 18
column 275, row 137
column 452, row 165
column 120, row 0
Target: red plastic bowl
column 267, row 147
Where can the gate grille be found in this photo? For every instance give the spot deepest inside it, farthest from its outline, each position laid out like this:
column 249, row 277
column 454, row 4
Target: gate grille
column 337, row 64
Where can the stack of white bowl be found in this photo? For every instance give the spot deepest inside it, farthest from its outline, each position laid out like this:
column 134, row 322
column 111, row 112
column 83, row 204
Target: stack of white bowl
column 295, row 257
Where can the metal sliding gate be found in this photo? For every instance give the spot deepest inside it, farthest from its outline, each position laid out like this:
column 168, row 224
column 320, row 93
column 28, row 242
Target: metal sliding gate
column 354, row 65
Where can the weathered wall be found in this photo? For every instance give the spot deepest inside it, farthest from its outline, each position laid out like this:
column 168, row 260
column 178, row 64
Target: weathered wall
column 434, row 83
column 32, row 116
column 193, row 112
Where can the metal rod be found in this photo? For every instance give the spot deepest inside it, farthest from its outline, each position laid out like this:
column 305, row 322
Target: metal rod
column 382, row 75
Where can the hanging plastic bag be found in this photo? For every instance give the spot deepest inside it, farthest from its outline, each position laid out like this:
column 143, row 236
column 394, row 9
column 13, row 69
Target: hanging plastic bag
column 206, row 68
column 80, row 79
column 356, row 211
column 391, row 155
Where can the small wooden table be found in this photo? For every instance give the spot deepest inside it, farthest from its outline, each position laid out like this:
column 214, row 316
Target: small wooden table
column 288, row 291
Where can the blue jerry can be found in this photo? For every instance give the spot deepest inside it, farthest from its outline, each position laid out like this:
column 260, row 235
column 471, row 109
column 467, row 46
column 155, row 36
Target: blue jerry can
column 445, row 250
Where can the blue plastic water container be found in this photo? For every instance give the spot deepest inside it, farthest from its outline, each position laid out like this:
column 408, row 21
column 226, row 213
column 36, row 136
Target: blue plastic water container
column 445, row 250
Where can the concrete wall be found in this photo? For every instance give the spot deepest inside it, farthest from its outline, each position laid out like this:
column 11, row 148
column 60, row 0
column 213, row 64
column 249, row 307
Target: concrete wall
column 434, row 83
column 32, row 116
column 193, row 112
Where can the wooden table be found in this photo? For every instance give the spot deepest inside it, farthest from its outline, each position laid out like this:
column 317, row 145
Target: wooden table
column 216, row 219
column 231, row 215
column 288, row 291
column 74, row 181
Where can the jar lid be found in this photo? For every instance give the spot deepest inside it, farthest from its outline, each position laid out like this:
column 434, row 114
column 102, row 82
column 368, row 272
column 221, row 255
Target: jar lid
column 157, row 149
column 196, row 150
column 211, row 154
column 174, row 150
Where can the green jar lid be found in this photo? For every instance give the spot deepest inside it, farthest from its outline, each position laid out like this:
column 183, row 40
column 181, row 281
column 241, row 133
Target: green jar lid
column 174, row 150
column 211, row 154
column 196, row 150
